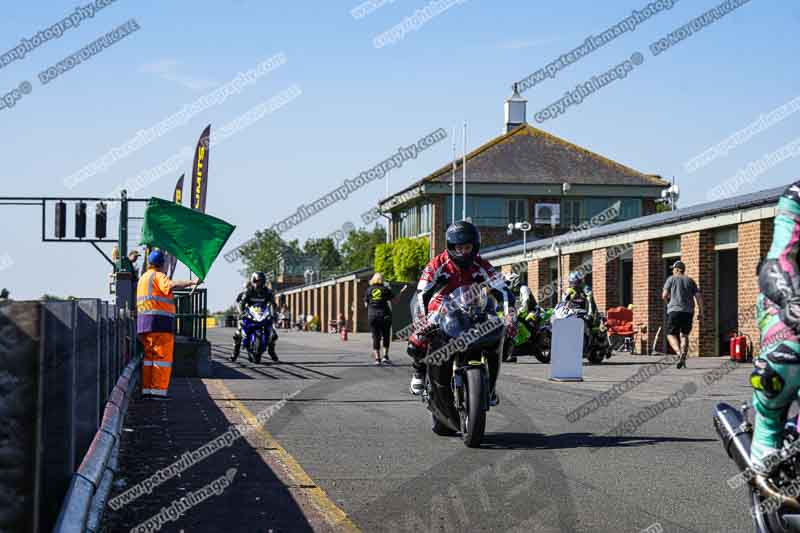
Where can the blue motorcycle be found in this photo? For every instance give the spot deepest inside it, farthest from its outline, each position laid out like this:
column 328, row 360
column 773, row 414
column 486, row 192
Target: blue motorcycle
column 258, row 333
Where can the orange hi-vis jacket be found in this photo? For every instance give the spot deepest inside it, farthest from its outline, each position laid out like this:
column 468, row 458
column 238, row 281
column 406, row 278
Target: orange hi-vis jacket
column 154, row 303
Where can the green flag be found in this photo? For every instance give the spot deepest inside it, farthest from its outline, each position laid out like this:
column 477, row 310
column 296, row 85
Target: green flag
column 192, row 236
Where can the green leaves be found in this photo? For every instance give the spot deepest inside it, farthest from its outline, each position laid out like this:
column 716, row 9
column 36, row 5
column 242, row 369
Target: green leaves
column 403, row 259
column 359, row 248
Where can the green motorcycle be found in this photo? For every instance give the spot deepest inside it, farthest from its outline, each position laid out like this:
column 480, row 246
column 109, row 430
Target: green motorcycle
column 534, row 335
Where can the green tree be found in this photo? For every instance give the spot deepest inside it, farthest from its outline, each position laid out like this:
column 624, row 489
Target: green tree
column 383, row 261
column 358, row 250
column 409, row 257
column 263, row 252
column 329, row 257
column 4, row 294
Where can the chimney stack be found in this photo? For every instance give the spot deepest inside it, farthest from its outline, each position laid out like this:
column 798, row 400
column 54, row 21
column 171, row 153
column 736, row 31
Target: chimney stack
column 515, row 109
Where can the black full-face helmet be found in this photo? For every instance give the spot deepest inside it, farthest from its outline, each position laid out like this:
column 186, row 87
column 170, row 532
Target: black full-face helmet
column 463, row 232
column 258, row 279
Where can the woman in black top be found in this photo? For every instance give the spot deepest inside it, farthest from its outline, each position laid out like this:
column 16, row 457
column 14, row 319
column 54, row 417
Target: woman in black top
column 376, row 300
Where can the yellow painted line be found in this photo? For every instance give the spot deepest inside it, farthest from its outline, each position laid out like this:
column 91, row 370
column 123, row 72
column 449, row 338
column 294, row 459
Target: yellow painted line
column 330, row 511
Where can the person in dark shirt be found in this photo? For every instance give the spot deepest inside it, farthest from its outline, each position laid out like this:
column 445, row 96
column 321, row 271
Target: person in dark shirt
column 376, row 299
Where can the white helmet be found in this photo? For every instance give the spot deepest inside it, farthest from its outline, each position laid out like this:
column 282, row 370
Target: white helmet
column 524, row 295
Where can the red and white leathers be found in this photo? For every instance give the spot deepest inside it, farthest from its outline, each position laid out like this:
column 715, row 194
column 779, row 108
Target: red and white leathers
column 441, row 277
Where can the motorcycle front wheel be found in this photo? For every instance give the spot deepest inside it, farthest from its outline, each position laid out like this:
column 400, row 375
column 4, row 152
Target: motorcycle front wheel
column 473, row 414
column 542, row 349
column 257, row 349
column 596, row 356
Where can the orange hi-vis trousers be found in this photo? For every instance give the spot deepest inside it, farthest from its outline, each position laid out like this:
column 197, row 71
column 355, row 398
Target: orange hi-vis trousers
column 157, row 363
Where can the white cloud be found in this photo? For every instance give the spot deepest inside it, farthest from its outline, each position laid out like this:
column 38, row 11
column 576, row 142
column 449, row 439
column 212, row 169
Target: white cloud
column 166, row 69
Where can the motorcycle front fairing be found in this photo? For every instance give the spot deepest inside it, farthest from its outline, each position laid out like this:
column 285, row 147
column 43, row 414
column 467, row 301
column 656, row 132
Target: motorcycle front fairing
column 257, row 321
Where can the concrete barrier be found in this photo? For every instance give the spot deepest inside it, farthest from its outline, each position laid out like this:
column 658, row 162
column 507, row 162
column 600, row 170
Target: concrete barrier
column 191, row 358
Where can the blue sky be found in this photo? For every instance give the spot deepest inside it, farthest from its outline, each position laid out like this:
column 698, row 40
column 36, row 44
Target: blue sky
column 359, row 103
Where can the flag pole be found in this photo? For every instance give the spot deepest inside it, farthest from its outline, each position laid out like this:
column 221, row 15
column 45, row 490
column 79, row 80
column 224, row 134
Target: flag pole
column 453, row 180
column 464, row 177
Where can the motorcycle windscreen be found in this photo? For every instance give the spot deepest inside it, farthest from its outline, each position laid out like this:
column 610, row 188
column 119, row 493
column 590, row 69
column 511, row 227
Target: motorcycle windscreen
column 566, row 352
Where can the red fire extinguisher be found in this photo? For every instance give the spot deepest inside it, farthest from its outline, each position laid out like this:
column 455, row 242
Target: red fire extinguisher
column 740, row 348
column 344, row 333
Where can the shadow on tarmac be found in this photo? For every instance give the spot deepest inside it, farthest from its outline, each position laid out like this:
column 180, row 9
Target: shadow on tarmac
column 567, row 441
column 158, row 433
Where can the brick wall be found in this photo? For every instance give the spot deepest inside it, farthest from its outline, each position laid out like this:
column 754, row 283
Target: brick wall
column 360, row 320
column 537, row 278
column 568, row 264
column 439, row 225
column 648, row 280
column 697, row 252
column 329, row 307
column 605, row 280
column 755, row 239
column 347, row 302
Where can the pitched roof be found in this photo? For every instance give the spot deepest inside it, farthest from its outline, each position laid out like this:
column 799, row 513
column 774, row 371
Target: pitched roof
column 528, row 155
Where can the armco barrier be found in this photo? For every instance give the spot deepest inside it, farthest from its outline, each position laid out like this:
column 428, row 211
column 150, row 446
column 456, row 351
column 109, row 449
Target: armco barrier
column 90, row 485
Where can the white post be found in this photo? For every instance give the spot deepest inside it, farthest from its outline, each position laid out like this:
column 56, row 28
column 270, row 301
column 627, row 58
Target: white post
column 524, row 243
column 464, row 177
column 453, row 181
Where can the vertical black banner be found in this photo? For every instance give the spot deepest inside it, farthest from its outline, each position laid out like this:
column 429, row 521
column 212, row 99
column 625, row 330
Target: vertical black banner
column 177, row 196
column 200, row 171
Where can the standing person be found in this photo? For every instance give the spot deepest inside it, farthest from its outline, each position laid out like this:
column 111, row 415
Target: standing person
column 775, row 380
column 376, row 300
column 680, row 292
column 133, row 257
column 156, row 325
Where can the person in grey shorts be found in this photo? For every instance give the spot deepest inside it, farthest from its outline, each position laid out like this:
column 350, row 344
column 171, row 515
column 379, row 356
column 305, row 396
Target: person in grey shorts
column 680, row 292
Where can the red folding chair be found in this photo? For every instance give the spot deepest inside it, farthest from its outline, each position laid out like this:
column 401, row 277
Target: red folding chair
column 621, row 332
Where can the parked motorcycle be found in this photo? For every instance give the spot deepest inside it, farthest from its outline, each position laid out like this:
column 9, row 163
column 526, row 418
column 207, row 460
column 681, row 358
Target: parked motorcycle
column 258, row 337
column 773, row 505
column 465, row 333
column 596, row 346
column 534, row 338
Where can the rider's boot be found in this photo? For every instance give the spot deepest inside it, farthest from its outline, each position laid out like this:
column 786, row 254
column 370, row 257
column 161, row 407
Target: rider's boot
column 237, row 345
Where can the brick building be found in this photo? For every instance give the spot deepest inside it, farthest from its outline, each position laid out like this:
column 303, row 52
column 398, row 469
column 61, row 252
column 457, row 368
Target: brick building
column 628, row 262
column 330, row 298
column 524, row 175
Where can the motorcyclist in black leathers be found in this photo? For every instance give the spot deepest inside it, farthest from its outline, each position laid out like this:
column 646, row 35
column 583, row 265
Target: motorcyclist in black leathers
column 256, row 293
